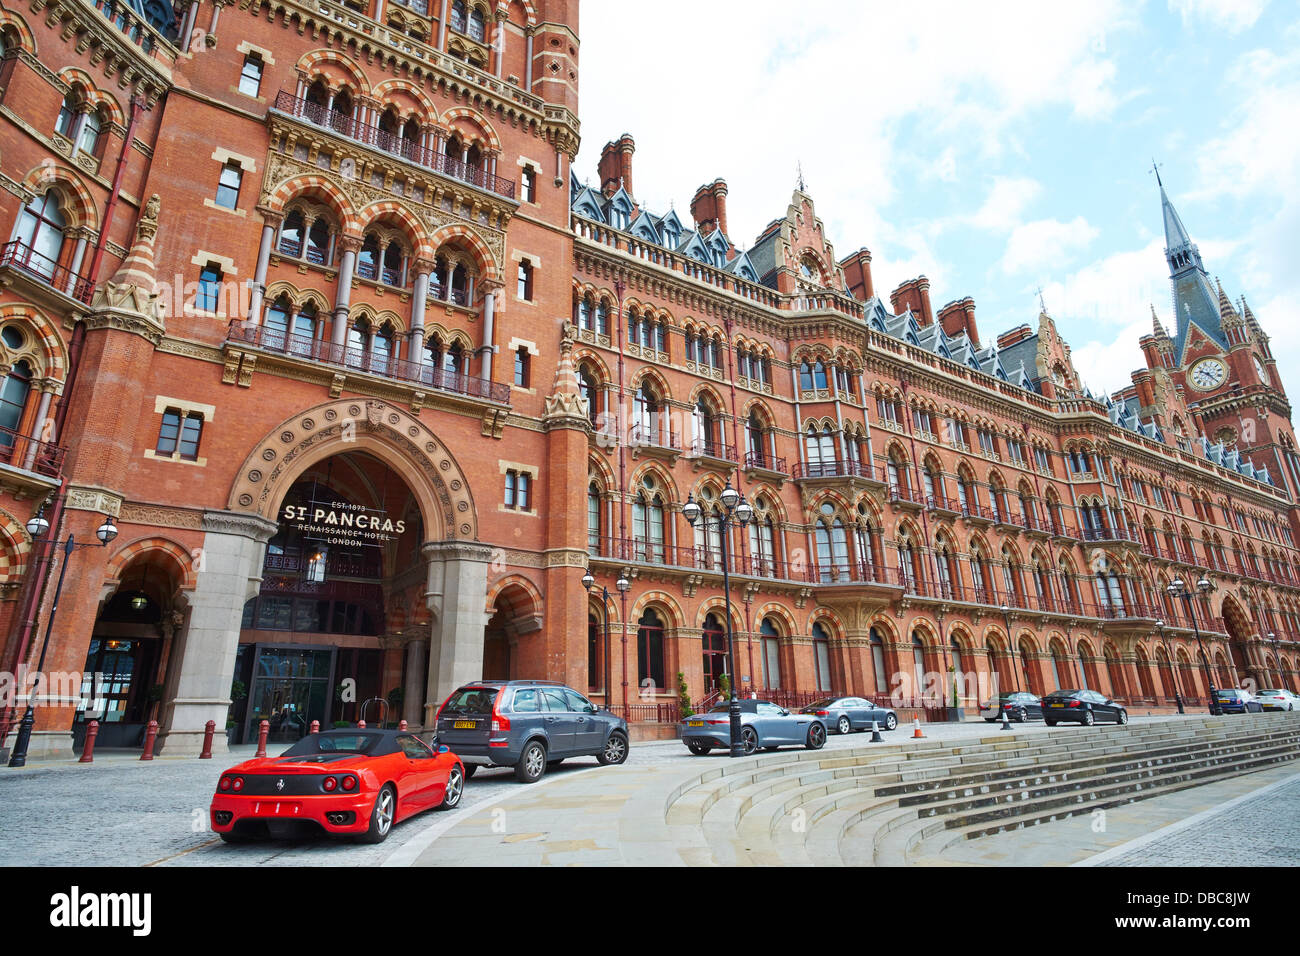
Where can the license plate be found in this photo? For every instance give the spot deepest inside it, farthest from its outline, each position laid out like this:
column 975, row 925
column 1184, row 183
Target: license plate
column 465, row 724
column 277, row 808
column 1058, row 705
column 694, row 723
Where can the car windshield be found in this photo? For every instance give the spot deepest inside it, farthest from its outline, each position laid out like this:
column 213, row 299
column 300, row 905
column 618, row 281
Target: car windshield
column 471, row 700
column 351, row 742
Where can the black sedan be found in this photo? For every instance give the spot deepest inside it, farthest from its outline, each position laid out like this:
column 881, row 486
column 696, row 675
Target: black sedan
column 1081, row 707
column 847, row 714
column 1019, row 706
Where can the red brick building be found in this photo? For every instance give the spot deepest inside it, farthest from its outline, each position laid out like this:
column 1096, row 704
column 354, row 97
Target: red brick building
column 310, row 302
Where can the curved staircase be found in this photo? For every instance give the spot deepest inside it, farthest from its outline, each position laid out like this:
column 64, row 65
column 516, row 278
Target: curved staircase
column 898, row 804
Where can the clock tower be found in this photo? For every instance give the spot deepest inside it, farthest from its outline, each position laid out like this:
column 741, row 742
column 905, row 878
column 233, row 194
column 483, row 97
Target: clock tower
column 1221, row 363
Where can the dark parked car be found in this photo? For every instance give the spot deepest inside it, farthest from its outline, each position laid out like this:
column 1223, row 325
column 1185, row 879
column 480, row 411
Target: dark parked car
column 843, row 715
column 1081, row 707
column 763, row 724
column 528, row 725
column 1234, row 701
column 1019, row 705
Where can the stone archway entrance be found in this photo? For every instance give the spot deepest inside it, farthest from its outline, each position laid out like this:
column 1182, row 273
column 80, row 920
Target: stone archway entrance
column 235, row 543
column 1239, row 632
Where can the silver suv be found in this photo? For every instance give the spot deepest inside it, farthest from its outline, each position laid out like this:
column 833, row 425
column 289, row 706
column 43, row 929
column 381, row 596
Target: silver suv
column 529, row 725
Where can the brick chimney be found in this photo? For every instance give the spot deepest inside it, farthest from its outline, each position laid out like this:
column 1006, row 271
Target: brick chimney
column 957, row 317
column 710, row 204
column 857, row 273
column 615, row 167
column 914, row 294
column 1018, row 334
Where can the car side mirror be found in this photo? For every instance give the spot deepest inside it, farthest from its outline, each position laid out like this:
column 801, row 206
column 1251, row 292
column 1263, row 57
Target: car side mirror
column 443, row 749
column 592, row 709
column 785, row 713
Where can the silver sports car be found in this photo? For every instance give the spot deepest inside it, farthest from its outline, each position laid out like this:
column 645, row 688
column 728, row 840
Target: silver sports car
column 762, row 724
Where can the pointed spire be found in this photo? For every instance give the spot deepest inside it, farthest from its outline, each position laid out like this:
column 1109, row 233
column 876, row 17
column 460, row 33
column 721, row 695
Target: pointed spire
column 1226, row 311
column 1156, row 328
column 138, row 268
column 566, row 407
column 130, row 299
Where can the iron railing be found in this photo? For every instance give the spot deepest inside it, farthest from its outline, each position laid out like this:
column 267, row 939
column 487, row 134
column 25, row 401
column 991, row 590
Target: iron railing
column 318, row 350
column 19, row 255
column 369, row 134
column 30, row 454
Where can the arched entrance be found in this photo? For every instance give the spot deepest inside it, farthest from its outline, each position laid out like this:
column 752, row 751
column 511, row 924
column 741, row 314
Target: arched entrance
column 1239, row 631
column 713, row 643
column 144, row 604
column 510, row 648
column 432, row 623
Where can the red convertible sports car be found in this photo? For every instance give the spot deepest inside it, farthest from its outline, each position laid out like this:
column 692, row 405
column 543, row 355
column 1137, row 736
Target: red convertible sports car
column 351, row 781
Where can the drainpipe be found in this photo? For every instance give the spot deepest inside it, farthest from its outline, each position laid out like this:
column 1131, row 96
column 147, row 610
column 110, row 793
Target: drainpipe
column 137, row 106
column 619, row 288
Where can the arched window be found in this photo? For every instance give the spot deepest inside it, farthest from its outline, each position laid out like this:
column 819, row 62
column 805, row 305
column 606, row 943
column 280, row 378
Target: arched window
column 40, row 229
column 918, row 668
column 650, row 651
column 648, row 522
column 89, row 140
column 832, row 548
column 646, row 409
column 13, row 400
column 878, row 662
column 762, row 540
column 771, row 639
column 276, row 323
column 714, row 645
column 305, row 330
column 755, row 453
column 822, row 656
column 708, row 431
column 590, row 390
column 593, row 518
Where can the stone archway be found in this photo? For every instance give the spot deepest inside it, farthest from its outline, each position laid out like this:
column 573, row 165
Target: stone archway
column 1239, row 631
column 390, row 433
column 235, row 544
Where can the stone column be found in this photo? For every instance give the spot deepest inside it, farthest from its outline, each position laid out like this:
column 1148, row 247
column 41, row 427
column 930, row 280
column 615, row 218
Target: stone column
column 414, row 684
column 442, row 27
column 486, row 350
column 78, row 254
column 197, row 689
column 457, row 593
column 42, row 413
column 343, row 297
column 415, row 347
column 259, row 276
column 528, row 55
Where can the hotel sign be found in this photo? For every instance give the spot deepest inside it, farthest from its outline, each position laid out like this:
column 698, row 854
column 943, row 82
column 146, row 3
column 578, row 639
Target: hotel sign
column 343, row 523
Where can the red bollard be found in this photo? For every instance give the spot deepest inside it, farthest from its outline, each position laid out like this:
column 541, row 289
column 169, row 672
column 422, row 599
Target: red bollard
column 209, row 729
column 361, row 724
column 315, row 726
column 150, row 736
column 263, row 729
column 88, row 749
column 401, row 725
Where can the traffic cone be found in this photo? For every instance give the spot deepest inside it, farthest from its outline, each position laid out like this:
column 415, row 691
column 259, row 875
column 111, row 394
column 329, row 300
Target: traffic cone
column 1006, row 724
column 875, row 734
column 916, row 728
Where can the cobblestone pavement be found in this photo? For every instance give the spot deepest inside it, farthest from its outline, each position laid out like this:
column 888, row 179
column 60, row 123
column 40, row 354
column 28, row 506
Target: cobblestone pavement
column 1257, row 829
column 120, row 811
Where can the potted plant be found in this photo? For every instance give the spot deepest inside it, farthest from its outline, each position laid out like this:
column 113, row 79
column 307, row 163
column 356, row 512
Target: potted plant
column 683, row 696
column 953, row 711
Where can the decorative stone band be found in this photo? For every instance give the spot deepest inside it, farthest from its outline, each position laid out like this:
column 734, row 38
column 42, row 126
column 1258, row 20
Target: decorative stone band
column 85, row 498
column 457, row 550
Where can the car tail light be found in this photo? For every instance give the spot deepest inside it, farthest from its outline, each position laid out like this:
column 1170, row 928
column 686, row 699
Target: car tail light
column 499, row 720
column 330, row 784
column 444, row 704
column 224, row 784
column 823, row 713
column 1075, row 703
column 349, row 784
column 237, row 784
column 724, row 720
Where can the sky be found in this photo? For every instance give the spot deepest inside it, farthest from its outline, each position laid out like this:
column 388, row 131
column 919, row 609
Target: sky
column 998, row 148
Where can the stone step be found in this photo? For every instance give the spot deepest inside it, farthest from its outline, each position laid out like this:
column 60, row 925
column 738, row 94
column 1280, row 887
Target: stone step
column 898, row 841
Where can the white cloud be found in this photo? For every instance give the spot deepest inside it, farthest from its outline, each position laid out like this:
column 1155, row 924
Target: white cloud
column 1107, row 366
column 1046, row 244
column 1231, row 15
column 1004, row 207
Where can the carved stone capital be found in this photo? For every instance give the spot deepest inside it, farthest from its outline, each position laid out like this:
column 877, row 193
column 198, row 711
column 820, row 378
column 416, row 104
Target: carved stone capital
column 90, row 498
column 251, row 526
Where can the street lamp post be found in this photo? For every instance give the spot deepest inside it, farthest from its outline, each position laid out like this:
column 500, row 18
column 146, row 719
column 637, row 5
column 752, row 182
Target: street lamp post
column 1160, row 632
column 37, row 525
column 735, row 506
column 622, row 584
column 1006, row 614
column 1178, row 588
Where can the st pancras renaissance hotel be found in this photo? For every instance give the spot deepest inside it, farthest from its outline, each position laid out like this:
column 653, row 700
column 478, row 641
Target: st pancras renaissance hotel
column 330, row 385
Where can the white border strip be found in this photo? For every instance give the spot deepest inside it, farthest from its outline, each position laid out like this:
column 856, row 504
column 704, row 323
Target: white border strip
column 1107, row 855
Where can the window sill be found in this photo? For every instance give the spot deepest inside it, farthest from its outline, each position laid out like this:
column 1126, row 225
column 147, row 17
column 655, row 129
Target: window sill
column 506, row 509
column 213, row 204
column 152, row 455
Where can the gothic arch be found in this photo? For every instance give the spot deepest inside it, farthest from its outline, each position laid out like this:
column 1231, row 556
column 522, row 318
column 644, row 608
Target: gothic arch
column 78, row 203
column 155, row 550
column 414, row 229
column 661, row 602
column 310, row 66
column 463, row 235
column 51, row 352
column 386, row 431
column 319, row 187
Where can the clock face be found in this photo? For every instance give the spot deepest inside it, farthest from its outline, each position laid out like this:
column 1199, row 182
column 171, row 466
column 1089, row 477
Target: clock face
column 1207, row 374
